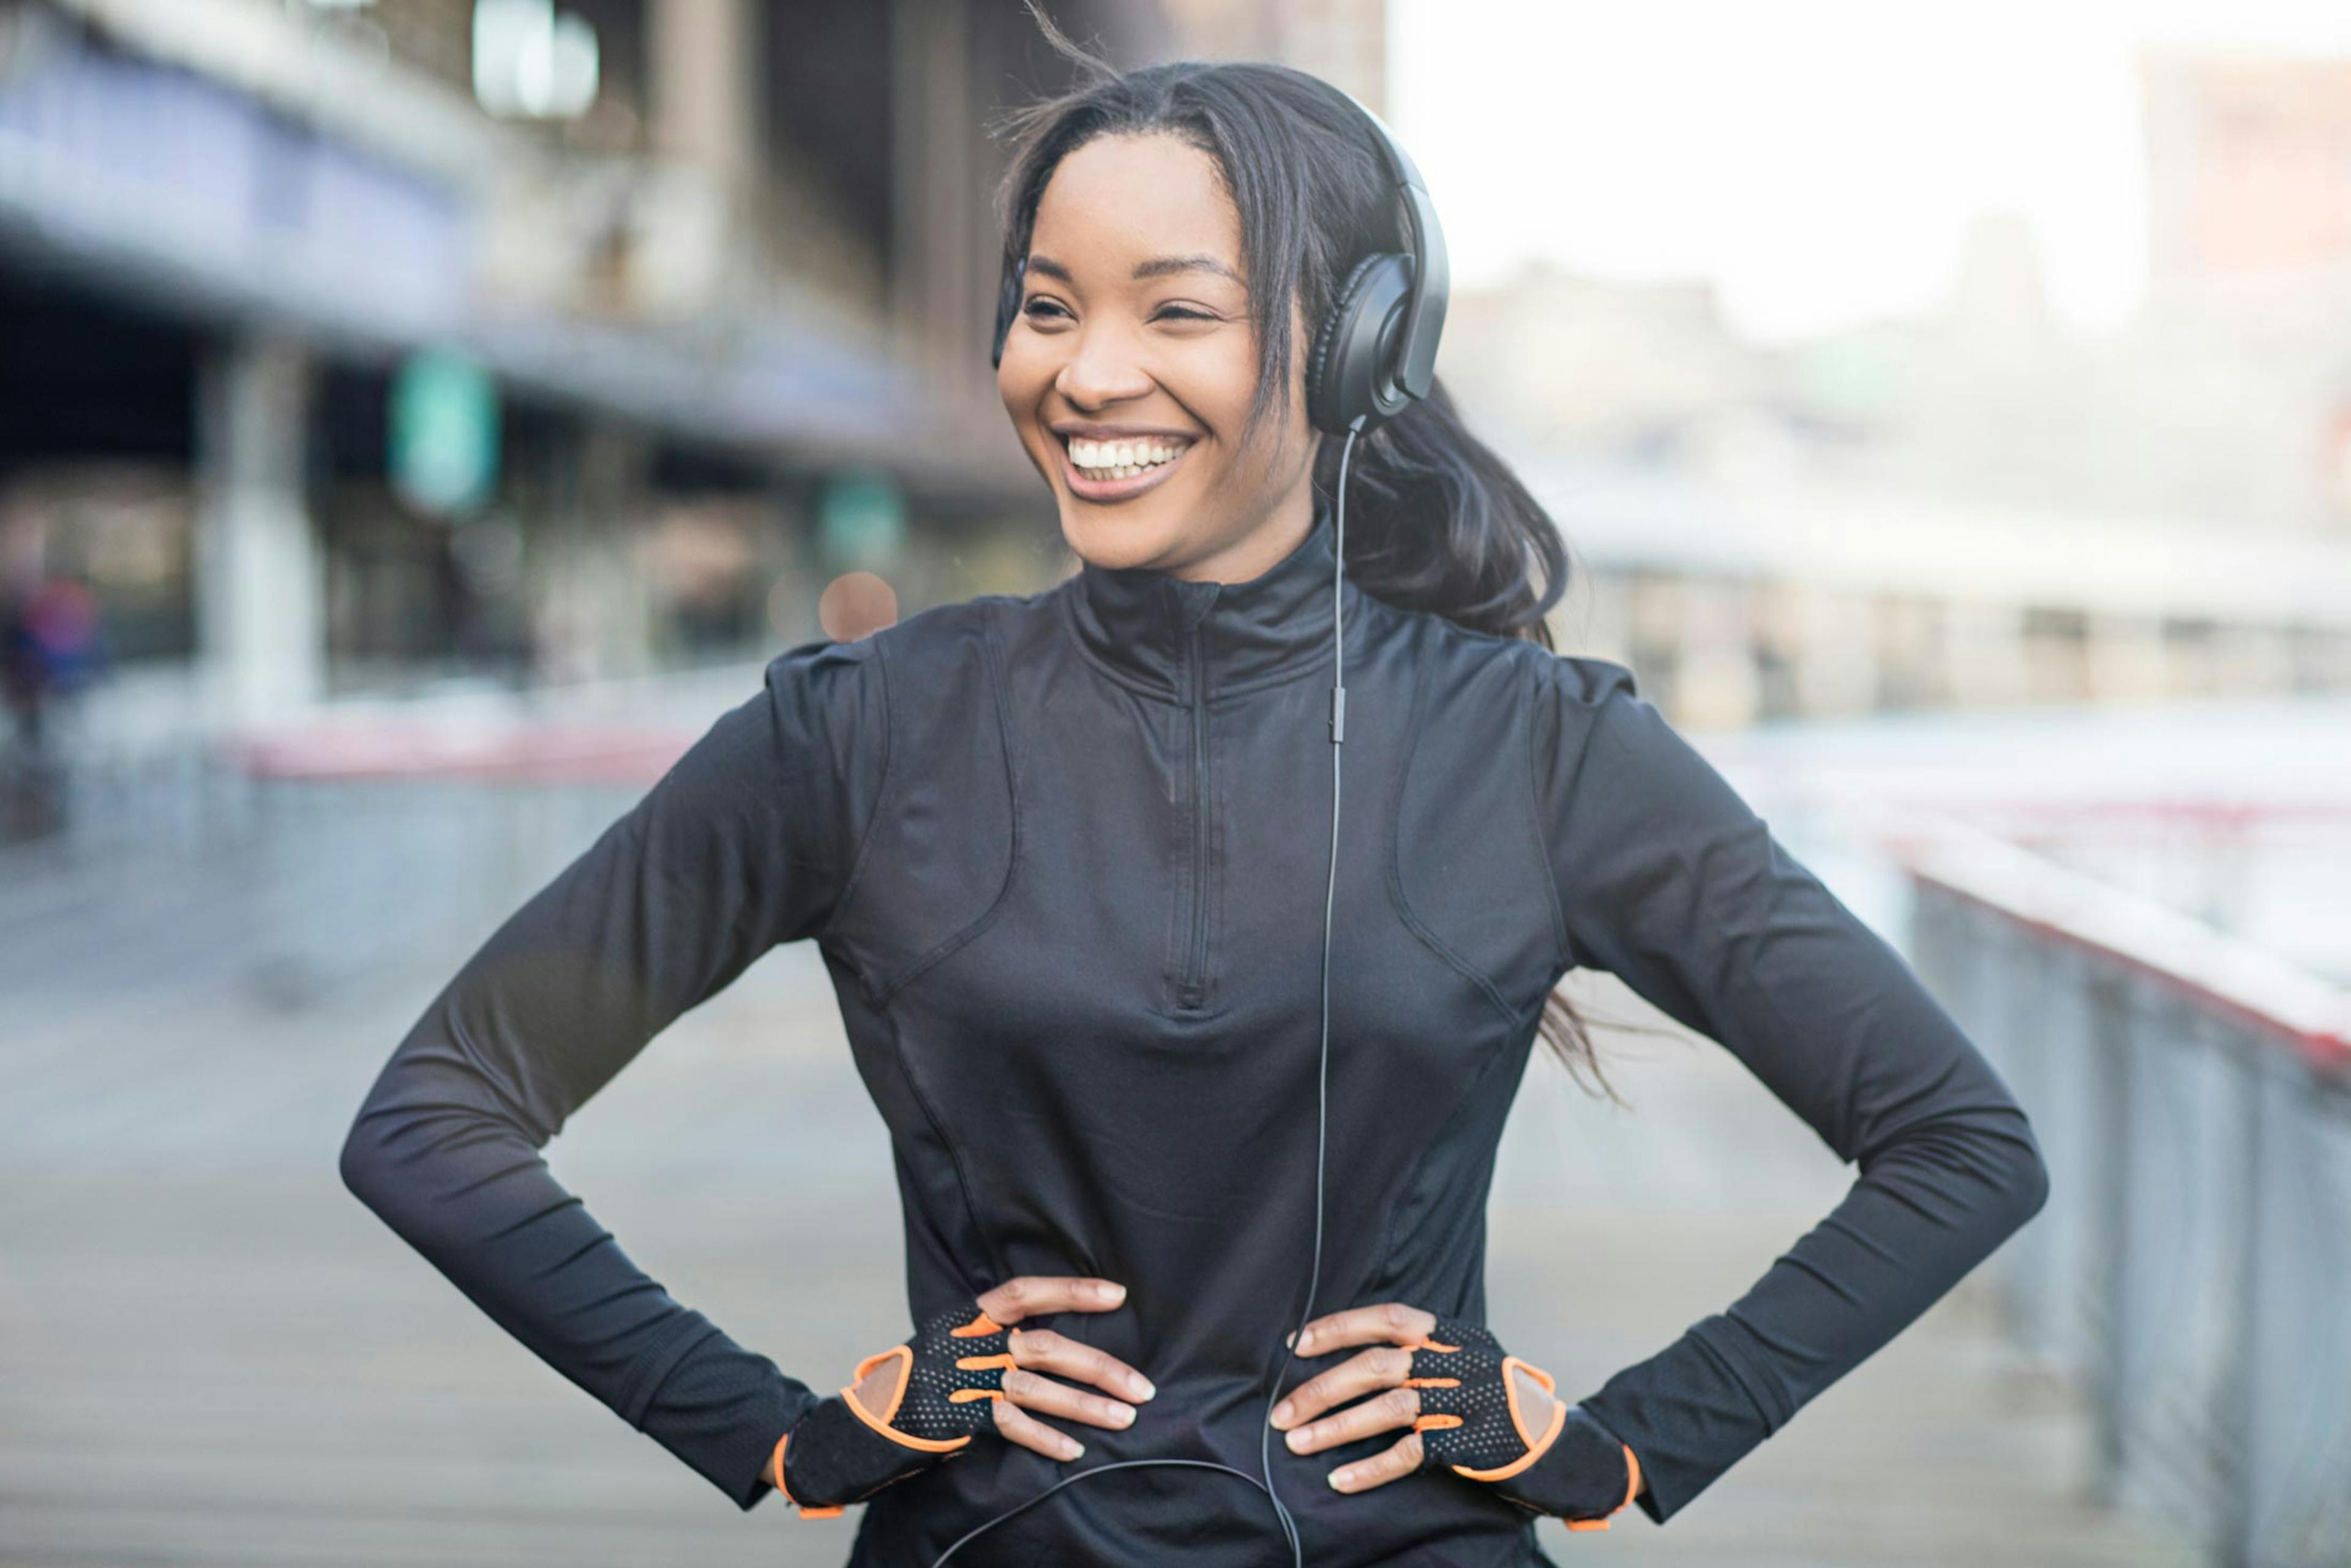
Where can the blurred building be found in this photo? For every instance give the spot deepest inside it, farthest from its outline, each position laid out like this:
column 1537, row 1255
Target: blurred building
column 2246, row 158
column 1341, row 41
column 2250, row 256
column 1975, row 505
column 354, row 341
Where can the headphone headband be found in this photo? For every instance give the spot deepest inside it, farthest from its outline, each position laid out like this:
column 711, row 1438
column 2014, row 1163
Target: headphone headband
column 1424, row 312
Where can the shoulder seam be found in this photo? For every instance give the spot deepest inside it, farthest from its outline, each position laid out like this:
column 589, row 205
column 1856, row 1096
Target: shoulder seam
column 992, row 649
column 1575, row 786
column 1566, row 954
column 1396, row 895
column 880, row 797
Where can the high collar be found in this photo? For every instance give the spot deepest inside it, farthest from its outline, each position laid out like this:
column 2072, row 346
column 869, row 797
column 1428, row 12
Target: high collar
column 1140, row 621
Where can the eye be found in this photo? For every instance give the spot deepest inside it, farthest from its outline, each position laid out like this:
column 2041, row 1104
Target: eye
column 1045, row 309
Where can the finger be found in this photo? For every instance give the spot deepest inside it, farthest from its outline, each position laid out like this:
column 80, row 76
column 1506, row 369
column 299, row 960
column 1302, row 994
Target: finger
column 1020, row 1427
column 1397, row 1407
column 1384, row 1366
column 1033, row 1293
column 1046, row 1351
column 1381, row 1468
column 1032, row 1391
column 1390, row 1322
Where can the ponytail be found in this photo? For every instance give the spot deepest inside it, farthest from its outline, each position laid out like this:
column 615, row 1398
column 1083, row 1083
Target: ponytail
column 1438, row 522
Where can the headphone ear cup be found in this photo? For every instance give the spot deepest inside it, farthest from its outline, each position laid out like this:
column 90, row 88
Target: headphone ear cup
column 1347, row 375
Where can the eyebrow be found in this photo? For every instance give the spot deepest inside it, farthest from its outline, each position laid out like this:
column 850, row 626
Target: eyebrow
column 1157, row 267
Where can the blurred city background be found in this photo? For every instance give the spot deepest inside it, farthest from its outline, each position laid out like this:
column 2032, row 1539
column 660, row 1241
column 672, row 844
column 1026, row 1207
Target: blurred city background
column 420, row 418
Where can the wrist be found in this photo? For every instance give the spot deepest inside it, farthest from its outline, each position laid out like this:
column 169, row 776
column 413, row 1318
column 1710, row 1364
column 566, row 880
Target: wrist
column 1585, row 1476
column 836, row 1454
column 773, row 1474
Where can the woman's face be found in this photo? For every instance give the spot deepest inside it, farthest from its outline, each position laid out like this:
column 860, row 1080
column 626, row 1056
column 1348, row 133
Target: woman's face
column 1131, row 364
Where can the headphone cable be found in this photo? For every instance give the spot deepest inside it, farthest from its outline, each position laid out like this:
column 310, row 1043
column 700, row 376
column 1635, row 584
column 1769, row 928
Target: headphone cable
column 1323, row 1065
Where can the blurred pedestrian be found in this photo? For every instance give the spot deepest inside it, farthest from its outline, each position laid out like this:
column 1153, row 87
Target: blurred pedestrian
column 51, row 651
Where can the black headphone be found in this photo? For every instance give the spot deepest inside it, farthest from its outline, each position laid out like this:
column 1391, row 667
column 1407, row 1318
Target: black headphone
column 1376, row 352
column 1376, row 348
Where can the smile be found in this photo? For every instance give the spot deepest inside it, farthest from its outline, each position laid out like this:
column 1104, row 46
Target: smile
column 1116, row 470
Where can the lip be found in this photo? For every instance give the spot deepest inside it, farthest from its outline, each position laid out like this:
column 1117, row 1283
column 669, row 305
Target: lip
column 1109, row 490
column 1091, row 430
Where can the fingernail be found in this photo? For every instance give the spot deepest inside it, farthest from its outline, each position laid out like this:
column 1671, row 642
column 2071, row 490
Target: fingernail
column 1109, row 1292
column 1125, row 1414
column 1290, row 1338
column 1297, row 1439
column 1077, row 1450
column 1142, row 1389
column 1281, row 1413
column 1339, row 1480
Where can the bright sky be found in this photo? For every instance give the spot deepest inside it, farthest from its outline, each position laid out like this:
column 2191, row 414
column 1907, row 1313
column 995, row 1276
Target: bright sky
column 1818, row 158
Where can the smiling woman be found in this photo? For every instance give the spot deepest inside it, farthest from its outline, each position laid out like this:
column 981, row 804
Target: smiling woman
column 1122, row 1001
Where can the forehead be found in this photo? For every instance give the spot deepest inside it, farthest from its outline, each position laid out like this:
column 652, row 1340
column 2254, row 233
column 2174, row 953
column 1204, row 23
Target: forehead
column 1123, row 199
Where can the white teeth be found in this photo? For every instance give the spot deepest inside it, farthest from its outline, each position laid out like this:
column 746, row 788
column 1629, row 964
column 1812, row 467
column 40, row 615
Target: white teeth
column 1123, row 459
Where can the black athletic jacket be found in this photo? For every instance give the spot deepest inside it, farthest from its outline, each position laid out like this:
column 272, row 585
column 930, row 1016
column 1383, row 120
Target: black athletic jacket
column 1064, row 858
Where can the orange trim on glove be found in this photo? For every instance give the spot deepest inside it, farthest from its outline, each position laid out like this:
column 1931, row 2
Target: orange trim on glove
column 1535, row 1446
column 906, row 1358
column 979, row 1364
column 980, row 1327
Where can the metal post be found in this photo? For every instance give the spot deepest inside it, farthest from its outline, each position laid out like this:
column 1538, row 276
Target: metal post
column 2109, row 1259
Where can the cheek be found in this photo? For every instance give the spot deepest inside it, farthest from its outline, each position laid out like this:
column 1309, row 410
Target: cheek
column 1215, row 381
column 1021, row 382
column 1009, row 388
column 1236, row 373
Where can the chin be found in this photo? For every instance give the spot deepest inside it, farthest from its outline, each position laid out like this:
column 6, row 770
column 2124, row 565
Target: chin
column 1114, row 536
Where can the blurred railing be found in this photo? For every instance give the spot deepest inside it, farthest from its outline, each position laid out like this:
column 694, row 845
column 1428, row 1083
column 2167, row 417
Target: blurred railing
column 139, row 767
column 354, row 846
column 2192, row 1095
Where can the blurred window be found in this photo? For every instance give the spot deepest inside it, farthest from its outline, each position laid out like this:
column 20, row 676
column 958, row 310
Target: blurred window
column 532, row 61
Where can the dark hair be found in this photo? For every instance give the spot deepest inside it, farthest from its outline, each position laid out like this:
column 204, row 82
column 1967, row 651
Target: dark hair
column 1435, row 520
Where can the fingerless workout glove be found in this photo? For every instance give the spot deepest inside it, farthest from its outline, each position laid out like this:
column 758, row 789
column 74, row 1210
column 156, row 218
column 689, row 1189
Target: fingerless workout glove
column 1471, row 1424
column 949, row 1374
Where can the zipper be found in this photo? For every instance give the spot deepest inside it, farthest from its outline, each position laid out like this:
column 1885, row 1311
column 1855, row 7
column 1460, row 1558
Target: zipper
column 1189, row 985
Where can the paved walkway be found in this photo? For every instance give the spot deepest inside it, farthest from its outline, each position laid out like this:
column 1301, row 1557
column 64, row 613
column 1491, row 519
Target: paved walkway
column 211, row 1353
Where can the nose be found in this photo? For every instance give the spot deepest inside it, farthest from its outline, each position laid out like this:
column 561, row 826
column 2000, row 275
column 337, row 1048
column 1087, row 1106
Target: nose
column 1101, row 367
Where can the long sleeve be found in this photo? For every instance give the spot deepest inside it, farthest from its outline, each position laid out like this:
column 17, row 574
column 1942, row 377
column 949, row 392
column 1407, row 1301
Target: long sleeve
column 1670, row 881
column 750, row 839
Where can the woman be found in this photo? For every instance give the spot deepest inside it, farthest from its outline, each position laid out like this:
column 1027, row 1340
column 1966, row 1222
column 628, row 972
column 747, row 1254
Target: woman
column 1064, row 855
